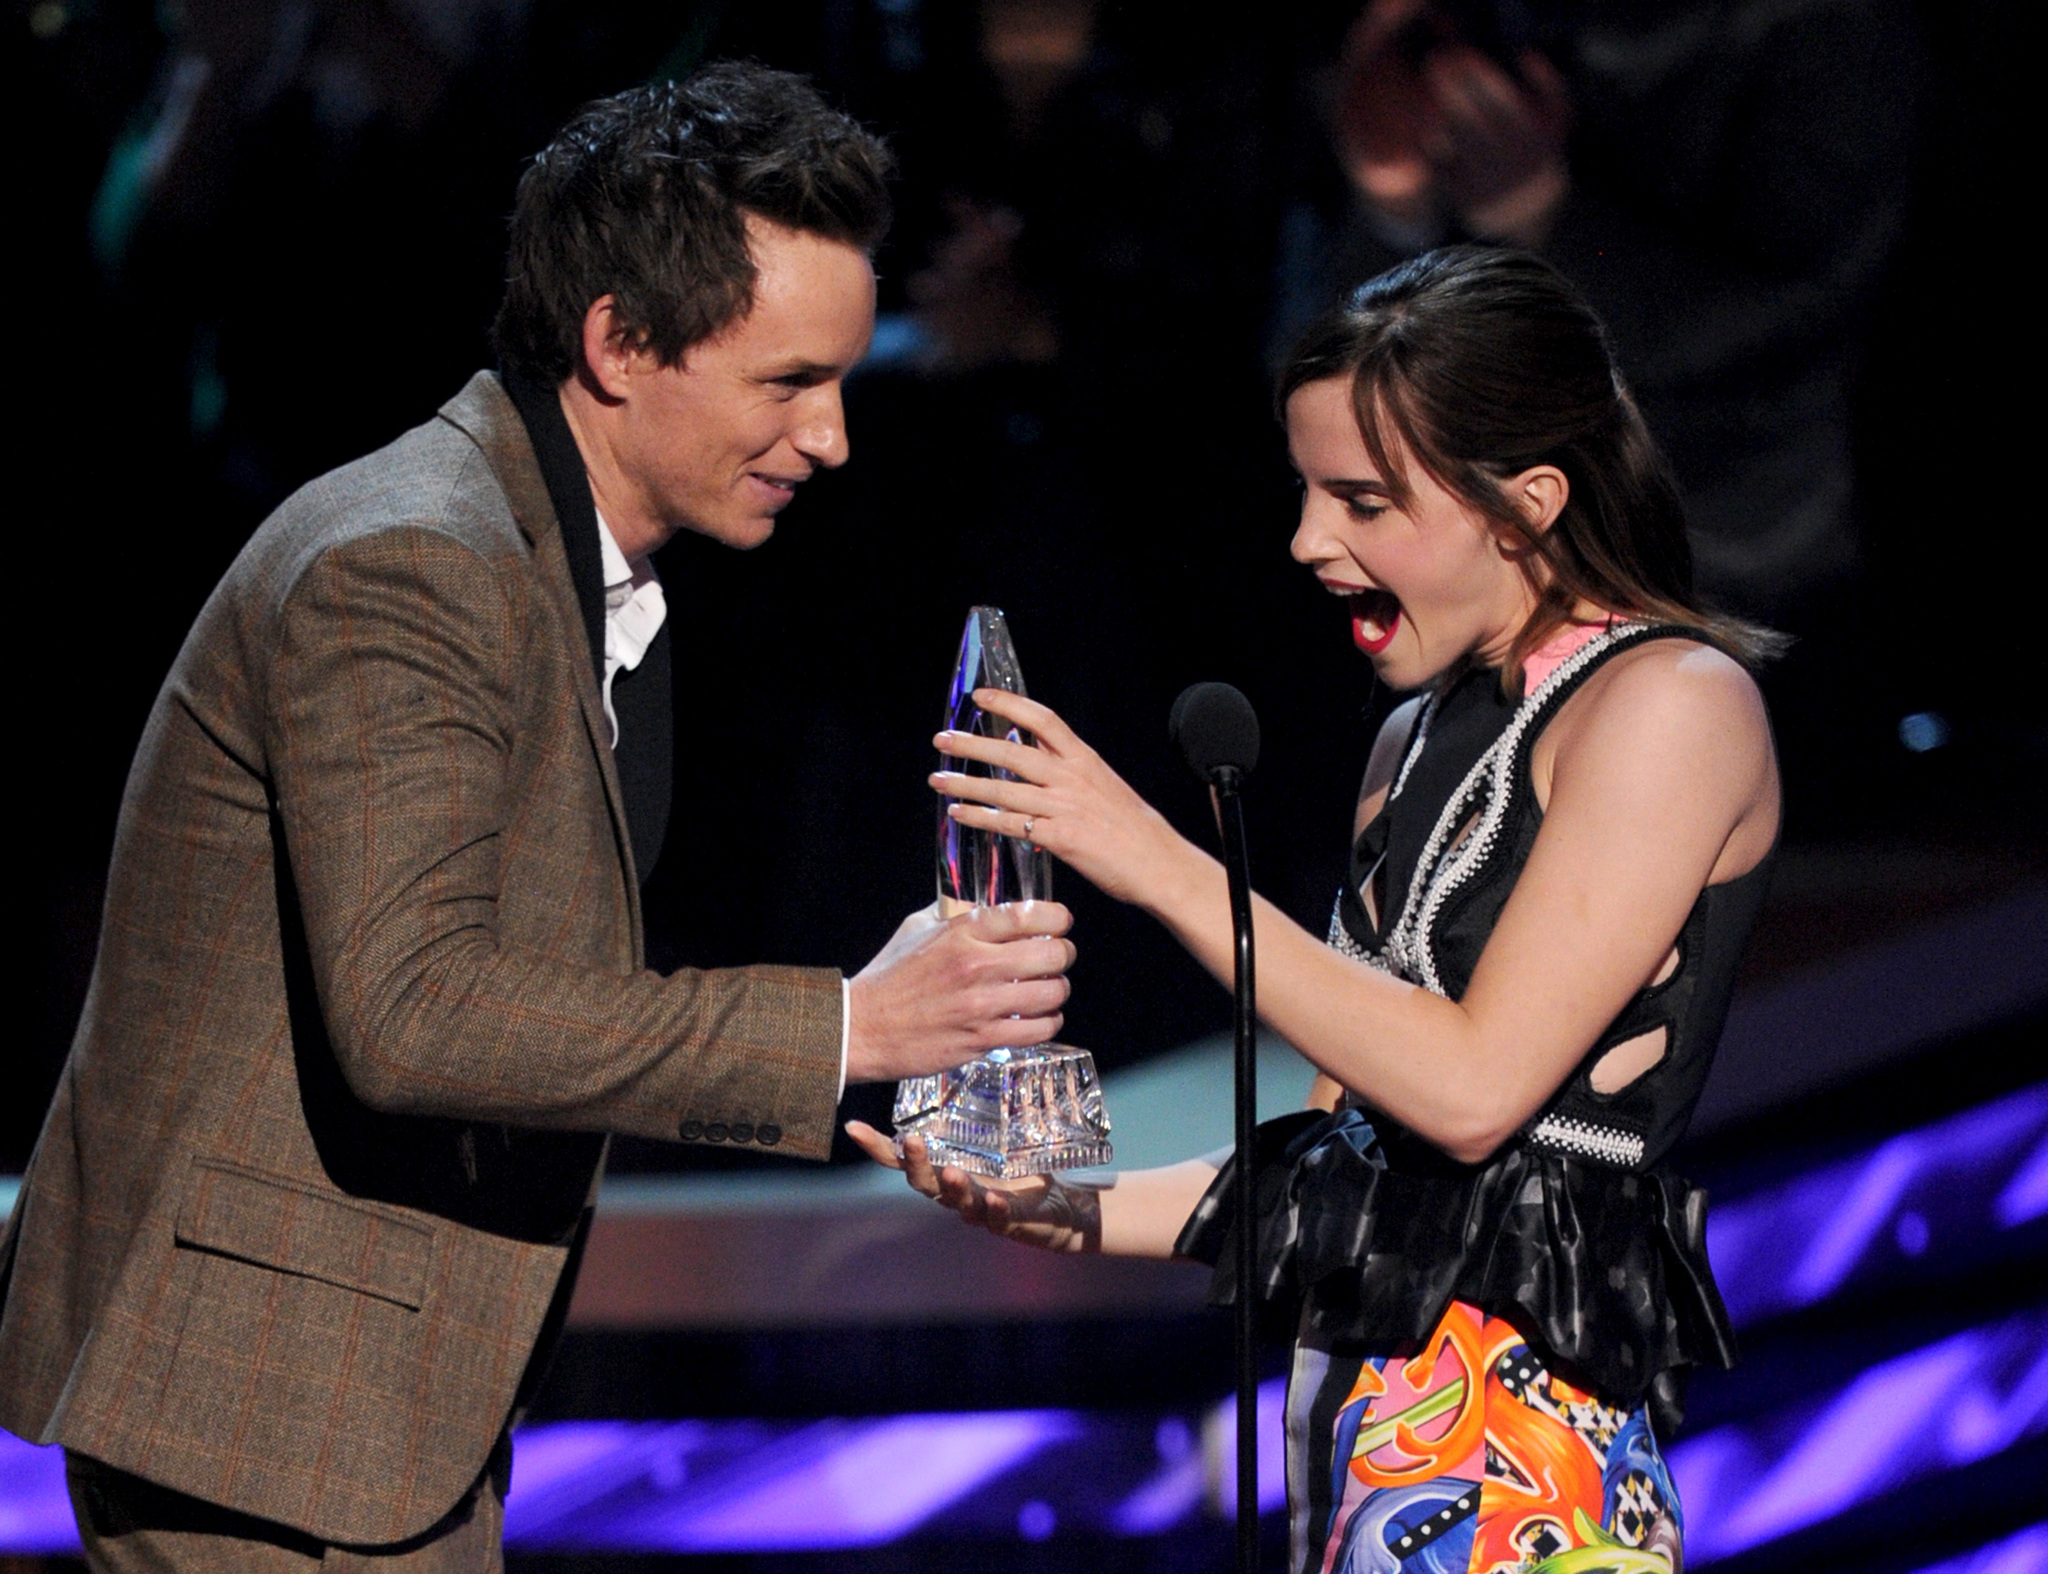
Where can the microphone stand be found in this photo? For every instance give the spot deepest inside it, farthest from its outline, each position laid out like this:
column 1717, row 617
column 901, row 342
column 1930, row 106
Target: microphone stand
column 1230, row 818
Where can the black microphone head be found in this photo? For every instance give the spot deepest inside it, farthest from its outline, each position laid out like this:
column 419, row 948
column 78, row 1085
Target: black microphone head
column 1215, row 729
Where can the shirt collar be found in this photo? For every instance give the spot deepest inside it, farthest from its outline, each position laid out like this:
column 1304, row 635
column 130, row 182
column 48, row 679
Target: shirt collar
column 623, row 581
column 612, row 563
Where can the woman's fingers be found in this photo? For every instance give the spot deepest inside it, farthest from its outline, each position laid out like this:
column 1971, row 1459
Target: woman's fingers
column 1019, row 759
column 1004, row 822
column 1021, row 797
column 917, row 1167
column 1033, row 717
column 1001, row 1208
column 915, row 1162
column 873, row 1144
column 958, row 1191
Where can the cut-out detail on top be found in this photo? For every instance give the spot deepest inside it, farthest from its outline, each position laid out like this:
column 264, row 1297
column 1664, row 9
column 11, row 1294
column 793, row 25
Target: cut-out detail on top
column 1372, row 891
column 1630, row 1059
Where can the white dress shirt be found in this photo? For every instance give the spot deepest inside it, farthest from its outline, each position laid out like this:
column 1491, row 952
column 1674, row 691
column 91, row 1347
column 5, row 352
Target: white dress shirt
column 634, row 611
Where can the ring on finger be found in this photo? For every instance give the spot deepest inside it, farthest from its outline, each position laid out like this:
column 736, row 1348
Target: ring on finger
column 1030, row 821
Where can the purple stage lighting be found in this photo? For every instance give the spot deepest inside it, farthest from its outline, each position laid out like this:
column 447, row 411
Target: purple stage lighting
column 1937, row 1408
column 35, row 1508
column 2026, row 1553
column 749, row 1487
column 1916, row 1207
column 1219, row 1444
column 1946, row 1189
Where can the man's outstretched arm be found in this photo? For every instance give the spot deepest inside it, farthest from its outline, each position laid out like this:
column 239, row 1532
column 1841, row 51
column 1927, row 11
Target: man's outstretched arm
column 394, row 693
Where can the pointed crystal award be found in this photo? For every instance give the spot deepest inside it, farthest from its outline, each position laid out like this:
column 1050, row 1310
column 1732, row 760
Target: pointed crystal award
column 1031, row 1109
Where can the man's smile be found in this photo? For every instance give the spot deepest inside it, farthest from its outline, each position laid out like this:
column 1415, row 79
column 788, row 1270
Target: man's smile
column 778, row 489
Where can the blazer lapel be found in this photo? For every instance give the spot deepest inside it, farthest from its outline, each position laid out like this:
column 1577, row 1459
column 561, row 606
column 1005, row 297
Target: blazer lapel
column 641, row 699
column 568, row 490
column 486, row 412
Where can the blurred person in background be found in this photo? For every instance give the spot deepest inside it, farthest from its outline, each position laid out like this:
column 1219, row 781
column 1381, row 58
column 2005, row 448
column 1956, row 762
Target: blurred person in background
column 1494, row 1283
column 1725, row 184
column 303, row 1223
column 1088, row 212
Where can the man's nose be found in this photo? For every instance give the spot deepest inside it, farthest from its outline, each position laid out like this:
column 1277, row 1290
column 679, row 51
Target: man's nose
column 820, row 435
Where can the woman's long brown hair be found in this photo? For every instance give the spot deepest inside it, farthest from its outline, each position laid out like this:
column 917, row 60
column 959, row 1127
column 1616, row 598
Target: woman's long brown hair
column 1486, row 362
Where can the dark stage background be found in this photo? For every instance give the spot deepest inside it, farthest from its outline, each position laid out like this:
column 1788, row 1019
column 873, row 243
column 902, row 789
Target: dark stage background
column 222, row 292
column 253, row 241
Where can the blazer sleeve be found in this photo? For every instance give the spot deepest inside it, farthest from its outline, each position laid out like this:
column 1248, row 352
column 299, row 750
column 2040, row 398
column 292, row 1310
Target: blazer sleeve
column 395, row 684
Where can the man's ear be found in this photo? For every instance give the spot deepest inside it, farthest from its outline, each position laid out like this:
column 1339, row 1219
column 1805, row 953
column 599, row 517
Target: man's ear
column 1538, row 494
column 609, row 353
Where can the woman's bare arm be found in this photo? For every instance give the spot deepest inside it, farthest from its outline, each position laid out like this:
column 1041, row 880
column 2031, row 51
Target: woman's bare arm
column 1662, row 781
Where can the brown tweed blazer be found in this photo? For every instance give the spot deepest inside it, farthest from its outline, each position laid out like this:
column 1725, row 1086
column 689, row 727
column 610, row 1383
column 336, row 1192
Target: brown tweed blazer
column 369, row 992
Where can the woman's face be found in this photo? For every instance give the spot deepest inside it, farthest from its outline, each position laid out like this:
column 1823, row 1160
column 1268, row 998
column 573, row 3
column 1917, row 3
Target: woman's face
column 1425, row 584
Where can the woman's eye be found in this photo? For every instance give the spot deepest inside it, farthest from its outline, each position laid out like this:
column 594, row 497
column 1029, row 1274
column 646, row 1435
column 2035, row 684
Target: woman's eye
column 1364, row 508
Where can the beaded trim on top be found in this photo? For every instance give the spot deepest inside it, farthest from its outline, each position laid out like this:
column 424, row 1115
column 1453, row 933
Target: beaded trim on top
column 1583, row 1139
column 1342, row 943
column 1487, row 788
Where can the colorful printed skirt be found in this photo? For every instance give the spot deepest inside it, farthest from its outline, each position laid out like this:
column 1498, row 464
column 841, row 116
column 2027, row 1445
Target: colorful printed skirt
column 1468, row 1457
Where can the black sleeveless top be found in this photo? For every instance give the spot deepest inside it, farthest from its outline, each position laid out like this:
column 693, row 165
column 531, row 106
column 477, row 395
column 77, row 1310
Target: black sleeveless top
column 1573, row 1229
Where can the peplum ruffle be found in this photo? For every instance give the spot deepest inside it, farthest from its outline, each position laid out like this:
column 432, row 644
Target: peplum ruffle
column 1606, row 1269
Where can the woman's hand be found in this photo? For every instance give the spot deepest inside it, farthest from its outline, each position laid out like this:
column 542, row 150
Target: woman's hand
column 1066, row 800
column 1038, row 1211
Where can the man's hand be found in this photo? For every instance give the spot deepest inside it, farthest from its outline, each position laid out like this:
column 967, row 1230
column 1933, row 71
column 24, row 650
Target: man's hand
column 944, row 990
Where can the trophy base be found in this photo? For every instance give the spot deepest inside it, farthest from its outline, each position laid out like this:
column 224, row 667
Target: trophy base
column 1011, row 1113
column 999, row 1165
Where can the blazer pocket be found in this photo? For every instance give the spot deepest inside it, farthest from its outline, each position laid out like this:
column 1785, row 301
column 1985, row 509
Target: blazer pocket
column 284, row 1224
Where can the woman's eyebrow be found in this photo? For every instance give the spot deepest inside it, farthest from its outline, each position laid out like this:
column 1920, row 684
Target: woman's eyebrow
column 1362, row 485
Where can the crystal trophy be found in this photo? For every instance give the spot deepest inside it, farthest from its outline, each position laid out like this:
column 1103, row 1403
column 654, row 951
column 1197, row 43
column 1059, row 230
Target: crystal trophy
column 1033, row 1108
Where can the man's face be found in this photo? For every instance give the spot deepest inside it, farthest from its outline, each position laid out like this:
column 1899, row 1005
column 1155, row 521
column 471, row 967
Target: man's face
column 719, row 443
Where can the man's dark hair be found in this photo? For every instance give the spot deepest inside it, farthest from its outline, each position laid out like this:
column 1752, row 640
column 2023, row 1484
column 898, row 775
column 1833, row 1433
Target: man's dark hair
column 644, row 196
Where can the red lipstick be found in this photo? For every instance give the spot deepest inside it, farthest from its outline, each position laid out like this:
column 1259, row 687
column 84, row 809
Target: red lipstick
column 1372, row 609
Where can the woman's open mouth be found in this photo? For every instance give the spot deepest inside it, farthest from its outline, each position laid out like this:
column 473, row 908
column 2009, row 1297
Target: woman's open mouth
column 1375, row 615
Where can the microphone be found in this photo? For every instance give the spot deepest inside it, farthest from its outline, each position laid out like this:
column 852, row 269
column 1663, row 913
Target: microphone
column 1217, row 733
column 1216, row 730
